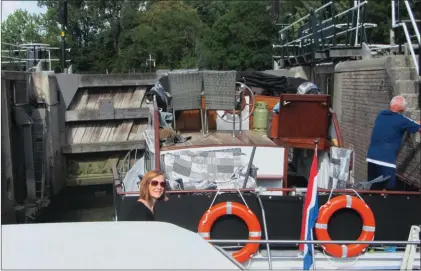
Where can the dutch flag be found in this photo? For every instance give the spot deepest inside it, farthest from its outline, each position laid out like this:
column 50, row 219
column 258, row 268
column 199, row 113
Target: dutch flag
column 310, row 214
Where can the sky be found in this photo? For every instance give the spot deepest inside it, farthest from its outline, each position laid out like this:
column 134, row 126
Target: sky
column 8, row 7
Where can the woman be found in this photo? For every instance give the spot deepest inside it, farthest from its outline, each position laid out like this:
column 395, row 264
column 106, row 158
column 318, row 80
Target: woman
column 152, row 188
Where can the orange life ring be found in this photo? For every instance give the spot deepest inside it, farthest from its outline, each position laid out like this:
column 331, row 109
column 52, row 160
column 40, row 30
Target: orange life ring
column 367, row 233
column 237, row 209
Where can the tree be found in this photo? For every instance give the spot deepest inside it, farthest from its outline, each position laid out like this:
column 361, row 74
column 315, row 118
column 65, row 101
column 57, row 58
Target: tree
column 175, row 28
column 209, row 11
column 87, row 22
column 119, row 35
column 242, row 38
column 22, row 27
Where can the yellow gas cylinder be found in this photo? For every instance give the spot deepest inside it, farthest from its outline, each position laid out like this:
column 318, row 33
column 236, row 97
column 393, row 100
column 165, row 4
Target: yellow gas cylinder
column 260, row 116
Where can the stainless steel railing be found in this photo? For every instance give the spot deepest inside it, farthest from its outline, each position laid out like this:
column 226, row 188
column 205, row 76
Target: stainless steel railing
column 406, row 31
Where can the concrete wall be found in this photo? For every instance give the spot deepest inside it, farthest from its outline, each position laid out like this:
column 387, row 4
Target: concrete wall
column 7, row 178
column 44, row 87
column 363, row 88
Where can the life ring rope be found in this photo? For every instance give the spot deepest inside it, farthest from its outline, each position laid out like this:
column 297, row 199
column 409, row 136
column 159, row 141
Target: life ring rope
column 219, row 192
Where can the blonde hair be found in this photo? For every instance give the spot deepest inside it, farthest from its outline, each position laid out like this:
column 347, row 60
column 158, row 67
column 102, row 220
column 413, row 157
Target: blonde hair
column 144, row 185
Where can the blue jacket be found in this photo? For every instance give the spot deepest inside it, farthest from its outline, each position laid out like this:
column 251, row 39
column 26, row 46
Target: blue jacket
column 387, row 135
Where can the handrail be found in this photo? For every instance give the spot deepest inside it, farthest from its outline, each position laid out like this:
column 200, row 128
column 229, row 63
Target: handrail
column 305, row 17
column 414, row 23
column 406, row 32
column 316, row 30
column 328, row 27
column 17, row 54
column 345, row 11
column 381, row 192
column 315, row 242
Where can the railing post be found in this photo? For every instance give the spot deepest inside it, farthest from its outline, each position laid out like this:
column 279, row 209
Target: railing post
column 334, row 24
column 356, row 3
column 314, row 28
column 413, row 22
column 363, row 31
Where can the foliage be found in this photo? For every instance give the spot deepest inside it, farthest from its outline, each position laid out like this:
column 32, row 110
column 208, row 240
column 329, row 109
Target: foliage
column 120, row 35
column 242, row 38
column 22, row 27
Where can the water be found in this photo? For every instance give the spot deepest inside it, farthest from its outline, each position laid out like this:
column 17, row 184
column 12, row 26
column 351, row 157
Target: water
column 80, row 204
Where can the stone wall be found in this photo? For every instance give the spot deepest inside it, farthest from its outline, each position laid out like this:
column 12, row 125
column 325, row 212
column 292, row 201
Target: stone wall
column 362, row 89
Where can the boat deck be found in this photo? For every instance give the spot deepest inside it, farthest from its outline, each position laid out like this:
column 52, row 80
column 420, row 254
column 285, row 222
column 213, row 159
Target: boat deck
column 221, row 138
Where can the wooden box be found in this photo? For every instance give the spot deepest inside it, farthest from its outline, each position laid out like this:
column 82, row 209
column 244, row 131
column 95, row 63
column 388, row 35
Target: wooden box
column 303, row 116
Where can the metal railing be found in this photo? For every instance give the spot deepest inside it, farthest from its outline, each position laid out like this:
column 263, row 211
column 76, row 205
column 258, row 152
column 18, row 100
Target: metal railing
column 406, row 31
column 28, row 56
column 407, row 259
column 323, row 28
column 268, row 242
column 315, row 242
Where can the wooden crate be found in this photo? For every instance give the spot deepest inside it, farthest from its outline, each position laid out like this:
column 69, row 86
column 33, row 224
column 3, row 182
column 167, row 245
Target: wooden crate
column 303, row 119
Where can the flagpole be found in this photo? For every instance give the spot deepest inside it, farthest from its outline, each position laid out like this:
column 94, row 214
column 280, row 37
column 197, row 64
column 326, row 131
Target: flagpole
column 313, row 252
column 316, row 142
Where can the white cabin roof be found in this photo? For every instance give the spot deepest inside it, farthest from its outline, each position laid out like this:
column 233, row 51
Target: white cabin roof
column 108, row 245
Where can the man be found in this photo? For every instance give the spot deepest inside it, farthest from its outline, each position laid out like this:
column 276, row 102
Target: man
column 386, row 138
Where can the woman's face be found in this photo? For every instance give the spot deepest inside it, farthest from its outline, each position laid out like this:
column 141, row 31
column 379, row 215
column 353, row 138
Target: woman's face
column 156, row 187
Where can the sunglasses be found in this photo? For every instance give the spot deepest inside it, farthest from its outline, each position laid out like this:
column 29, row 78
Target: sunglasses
column 155, row 183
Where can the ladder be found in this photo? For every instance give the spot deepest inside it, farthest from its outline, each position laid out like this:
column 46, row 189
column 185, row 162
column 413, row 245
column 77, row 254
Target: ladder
column 411, row 250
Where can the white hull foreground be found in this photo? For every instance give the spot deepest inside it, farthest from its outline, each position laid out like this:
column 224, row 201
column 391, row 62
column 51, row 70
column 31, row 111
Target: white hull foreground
column 367, row 261
column 159, row 245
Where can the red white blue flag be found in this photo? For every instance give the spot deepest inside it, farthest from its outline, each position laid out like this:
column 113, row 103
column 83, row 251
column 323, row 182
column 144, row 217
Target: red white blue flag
column 310, row 214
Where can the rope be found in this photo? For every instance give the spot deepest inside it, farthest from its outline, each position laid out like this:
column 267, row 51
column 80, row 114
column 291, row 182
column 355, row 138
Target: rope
column 356, row 193
column 350, row 189
column 218, row 192
column 241, row 195
column 214, row 198
column 208, row 211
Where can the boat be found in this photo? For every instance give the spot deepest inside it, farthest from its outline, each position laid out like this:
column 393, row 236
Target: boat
column 55, row 246
column 222, row 174
column 221, row 180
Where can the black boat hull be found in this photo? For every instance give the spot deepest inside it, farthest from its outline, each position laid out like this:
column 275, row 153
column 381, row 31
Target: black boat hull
column 394, row 214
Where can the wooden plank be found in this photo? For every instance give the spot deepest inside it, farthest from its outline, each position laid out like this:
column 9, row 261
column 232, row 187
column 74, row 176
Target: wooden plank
column 103, row 147
column 94, row 115
column 303, row 143
column 97, row 81
column 215, row 139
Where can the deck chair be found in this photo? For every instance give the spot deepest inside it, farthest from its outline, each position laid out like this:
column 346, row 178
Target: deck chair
column 186, row 91
column 219, row 92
